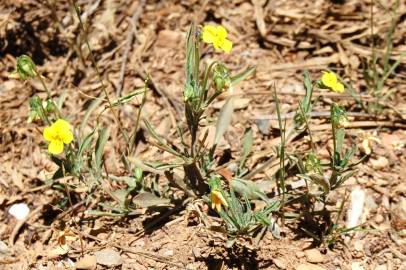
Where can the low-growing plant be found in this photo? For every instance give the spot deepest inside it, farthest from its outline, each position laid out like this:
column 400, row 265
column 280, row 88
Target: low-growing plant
column 82, row 155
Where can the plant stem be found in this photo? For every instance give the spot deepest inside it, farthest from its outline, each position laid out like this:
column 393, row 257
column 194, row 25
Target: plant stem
column 95, row 66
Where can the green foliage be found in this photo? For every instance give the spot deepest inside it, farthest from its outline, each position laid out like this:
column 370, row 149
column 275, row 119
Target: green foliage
column 244, row 207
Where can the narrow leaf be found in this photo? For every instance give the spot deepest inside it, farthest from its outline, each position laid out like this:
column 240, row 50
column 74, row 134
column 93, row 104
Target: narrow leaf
column 242, row 76
column 224, row 120
column 101, row 142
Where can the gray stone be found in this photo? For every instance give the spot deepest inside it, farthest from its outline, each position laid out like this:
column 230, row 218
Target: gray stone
column 108, row 257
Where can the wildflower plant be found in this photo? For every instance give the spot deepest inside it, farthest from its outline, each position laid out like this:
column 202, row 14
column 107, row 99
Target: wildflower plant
column 201, row 88
column 81, row 155
column 323, row 177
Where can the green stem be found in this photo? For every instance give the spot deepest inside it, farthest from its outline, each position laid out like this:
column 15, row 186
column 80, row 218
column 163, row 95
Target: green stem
column 95, row 66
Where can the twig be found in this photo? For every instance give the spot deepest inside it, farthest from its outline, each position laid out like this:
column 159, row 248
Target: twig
column 362, row 124
column 162, row 93
column 312, row 114
column 129, row 43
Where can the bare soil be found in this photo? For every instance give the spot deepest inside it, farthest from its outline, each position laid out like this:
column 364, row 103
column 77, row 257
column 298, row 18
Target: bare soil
column 280, row 38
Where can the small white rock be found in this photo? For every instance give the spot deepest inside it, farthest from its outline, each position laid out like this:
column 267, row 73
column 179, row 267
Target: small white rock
column 108, row 257
column 168, row 253
column 379, row 163
column 3, row 248
column 357, row 207
column 19, row 210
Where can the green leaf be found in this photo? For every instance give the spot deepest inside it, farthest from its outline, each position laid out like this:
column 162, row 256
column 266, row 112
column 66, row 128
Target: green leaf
column 192, row 59
column 224, row 119
column 101, row 142
column 61, row 99
column 317, row 179
column 242, row 76
column 86, row 143
column 160, row 140
column 247, row 142
column 95, row 103
column 129, row 97
column 249, row 189
column 339, row 137
column 121, row 196
column 306, row 104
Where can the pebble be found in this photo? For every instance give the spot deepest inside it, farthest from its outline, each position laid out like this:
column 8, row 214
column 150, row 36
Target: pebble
column 379, row 219
column 3, row 248
column 108, row 257
column 168, row 253
column 263, row 126
column 279, row 263
column 379, row 163
column 314, row 256
column 300, row 254
column 19, row 210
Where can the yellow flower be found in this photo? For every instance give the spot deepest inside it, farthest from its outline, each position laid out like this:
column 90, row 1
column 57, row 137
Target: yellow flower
column 329, row 79
column 58, row 134
column 217, row 199
column 217, row 35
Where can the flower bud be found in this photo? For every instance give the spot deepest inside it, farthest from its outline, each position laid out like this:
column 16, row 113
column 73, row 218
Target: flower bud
column 338, row 116
column 188, row 92
column 138, row 174
column 25, row 67
column 221, row 78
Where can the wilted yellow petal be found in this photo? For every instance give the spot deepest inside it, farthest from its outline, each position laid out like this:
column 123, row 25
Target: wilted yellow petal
column 55, row 147
column 218, row 207
column 217, row 198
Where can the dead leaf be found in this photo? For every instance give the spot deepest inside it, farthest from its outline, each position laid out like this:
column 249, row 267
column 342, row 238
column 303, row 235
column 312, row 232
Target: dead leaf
column 226, row 173
column 147, row 199
column 169, row 39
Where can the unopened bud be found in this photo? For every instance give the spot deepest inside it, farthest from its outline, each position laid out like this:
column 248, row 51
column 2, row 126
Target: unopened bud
column 25, row 67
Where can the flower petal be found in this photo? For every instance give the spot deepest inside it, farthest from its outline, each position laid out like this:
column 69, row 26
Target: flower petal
column 338, row 87
column 67, row 137
column 49, row 133
column 329, row 79
column 55, row 147
column 218, row 198
column 221, row 32
column 218, row 208
column 226, row 45
column 61, row 125
column 209, row 34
